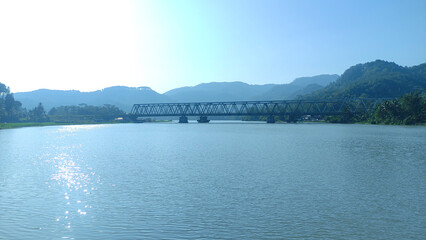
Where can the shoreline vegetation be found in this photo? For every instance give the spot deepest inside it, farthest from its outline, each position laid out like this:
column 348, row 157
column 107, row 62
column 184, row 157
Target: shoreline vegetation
column 38, row 124
column 46, row 124
column 409, row 109
column 379, row 79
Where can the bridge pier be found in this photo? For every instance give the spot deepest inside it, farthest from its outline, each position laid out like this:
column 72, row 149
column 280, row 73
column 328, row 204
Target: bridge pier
column 270, row 119
column 183, row 119
column 203, row 119
column 288, row 110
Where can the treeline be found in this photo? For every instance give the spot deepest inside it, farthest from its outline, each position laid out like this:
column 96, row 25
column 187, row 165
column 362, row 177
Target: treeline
column 409, row 109
column 11, row 111
column 85, row 113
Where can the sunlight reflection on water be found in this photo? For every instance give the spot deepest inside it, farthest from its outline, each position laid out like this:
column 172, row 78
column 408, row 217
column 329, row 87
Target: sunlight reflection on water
column 73, row 178
column 223, row 181
column 77, row 128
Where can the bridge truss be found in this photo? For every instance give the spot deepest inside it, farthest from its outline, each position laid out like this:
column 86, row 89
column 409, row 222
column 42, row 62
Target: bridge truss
column 256, row 108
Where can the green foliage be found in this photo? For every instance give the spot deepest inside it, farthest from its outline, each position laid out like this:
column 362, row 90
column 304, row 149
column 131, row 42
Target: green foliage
column 38, row 114
column 25, row 124
column 378, row 79
column 4, row 89
column 347, row 117
column 408, row 109
column 10, row 110
column 85, row 113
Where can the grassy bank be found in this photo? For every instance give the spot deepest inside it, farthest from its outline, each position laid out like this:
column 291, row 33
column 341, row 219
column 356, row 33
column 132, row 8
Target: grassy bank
column 43, row 124
column 40, row 124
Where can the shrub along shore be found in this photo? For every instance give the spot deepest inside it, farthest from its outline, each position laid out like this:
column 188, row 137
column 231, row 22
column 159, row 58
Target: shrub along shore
column 409, row 109
column 44, row 124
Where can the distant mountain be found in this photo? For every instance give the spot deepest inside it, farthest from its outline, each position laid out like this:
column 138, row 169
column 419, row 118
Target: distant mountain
column 372, row 79
column 239, row 91
column 322, row 80
column 299, row 86
column 375, row 79
column 281, row 91
column 122, row 97
column 125, row 97
column 218, row 91
column 306, row 90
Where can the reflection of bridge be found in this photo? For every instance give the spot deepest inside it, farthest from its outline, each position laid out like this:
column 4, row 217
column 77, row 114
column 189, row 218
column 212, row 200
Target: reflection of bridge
column 290, row 109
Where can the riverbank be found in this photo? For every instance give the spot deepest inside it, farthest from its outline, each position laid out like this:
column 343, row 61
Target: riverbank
column 43, row 124
column 26, row 124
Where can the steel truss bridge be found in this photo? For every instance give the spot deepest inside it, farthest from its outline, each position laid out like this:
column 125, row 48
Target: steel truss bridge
column 290, row 109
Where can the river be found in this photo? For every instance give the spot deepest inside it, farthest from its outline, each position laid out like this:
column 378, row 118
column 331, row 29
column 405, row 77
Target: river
column 222, row 180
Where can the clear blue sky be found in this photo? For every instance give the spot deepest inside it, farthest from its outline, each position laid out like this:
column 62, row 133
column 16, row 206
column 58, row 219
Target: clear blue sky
column 89, row 45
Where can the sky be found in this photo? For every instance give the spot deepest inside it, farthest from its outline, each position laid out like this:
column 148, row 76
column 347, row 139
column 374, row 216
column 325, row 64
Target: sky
column 89, row 45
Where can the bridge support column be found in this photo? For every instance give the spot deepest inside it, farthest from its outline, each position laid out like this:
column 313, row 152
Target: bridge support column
column 183, row 119
column 270, row 119
column 203, row 119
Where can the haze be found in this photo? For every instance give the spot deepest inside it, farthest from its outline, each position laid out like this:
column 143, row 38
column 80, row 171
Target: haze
column 90, row 45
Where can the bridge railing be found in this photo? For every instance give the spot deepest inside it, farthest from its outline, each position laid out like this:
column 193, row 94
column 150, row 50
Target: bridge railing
column 256, row 108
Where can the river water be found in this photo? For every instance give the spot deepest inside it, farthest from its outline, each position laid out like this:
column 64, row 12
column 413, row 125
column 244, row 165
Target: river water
column 213, row 181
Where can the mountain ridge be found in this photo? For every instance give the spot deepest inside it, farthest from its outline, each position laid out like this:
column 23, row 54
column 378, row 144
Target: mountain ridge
column 372, row 79
column 376, row 79
column 56, row 98
column 124, row 97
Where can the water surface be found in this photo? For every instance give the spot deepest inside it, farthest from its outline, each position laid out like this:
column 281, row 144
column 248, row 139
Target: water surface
column 213, row 181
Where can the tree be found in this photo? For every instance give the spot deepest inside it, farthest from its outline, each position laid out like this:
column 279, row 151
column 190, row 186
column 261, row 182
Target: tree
column 85, row 113
column 10, row 109
column 38, row 114
column 408, row 109
column 414, row 108
column 4, row 89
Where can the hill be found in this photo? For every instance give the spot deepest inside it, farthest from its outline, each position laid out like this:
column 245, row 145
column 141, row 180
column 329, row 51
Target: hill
column 322, row 80
column 378, row 79
column 122, row 97
column 218, row 91
column 299, row 86
column 239, row 91
column 125, row 97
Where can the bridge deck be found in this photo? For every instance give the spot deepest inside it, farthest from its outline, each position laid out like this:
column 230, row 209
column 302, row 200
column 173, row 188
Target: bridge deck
column 256, row 108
